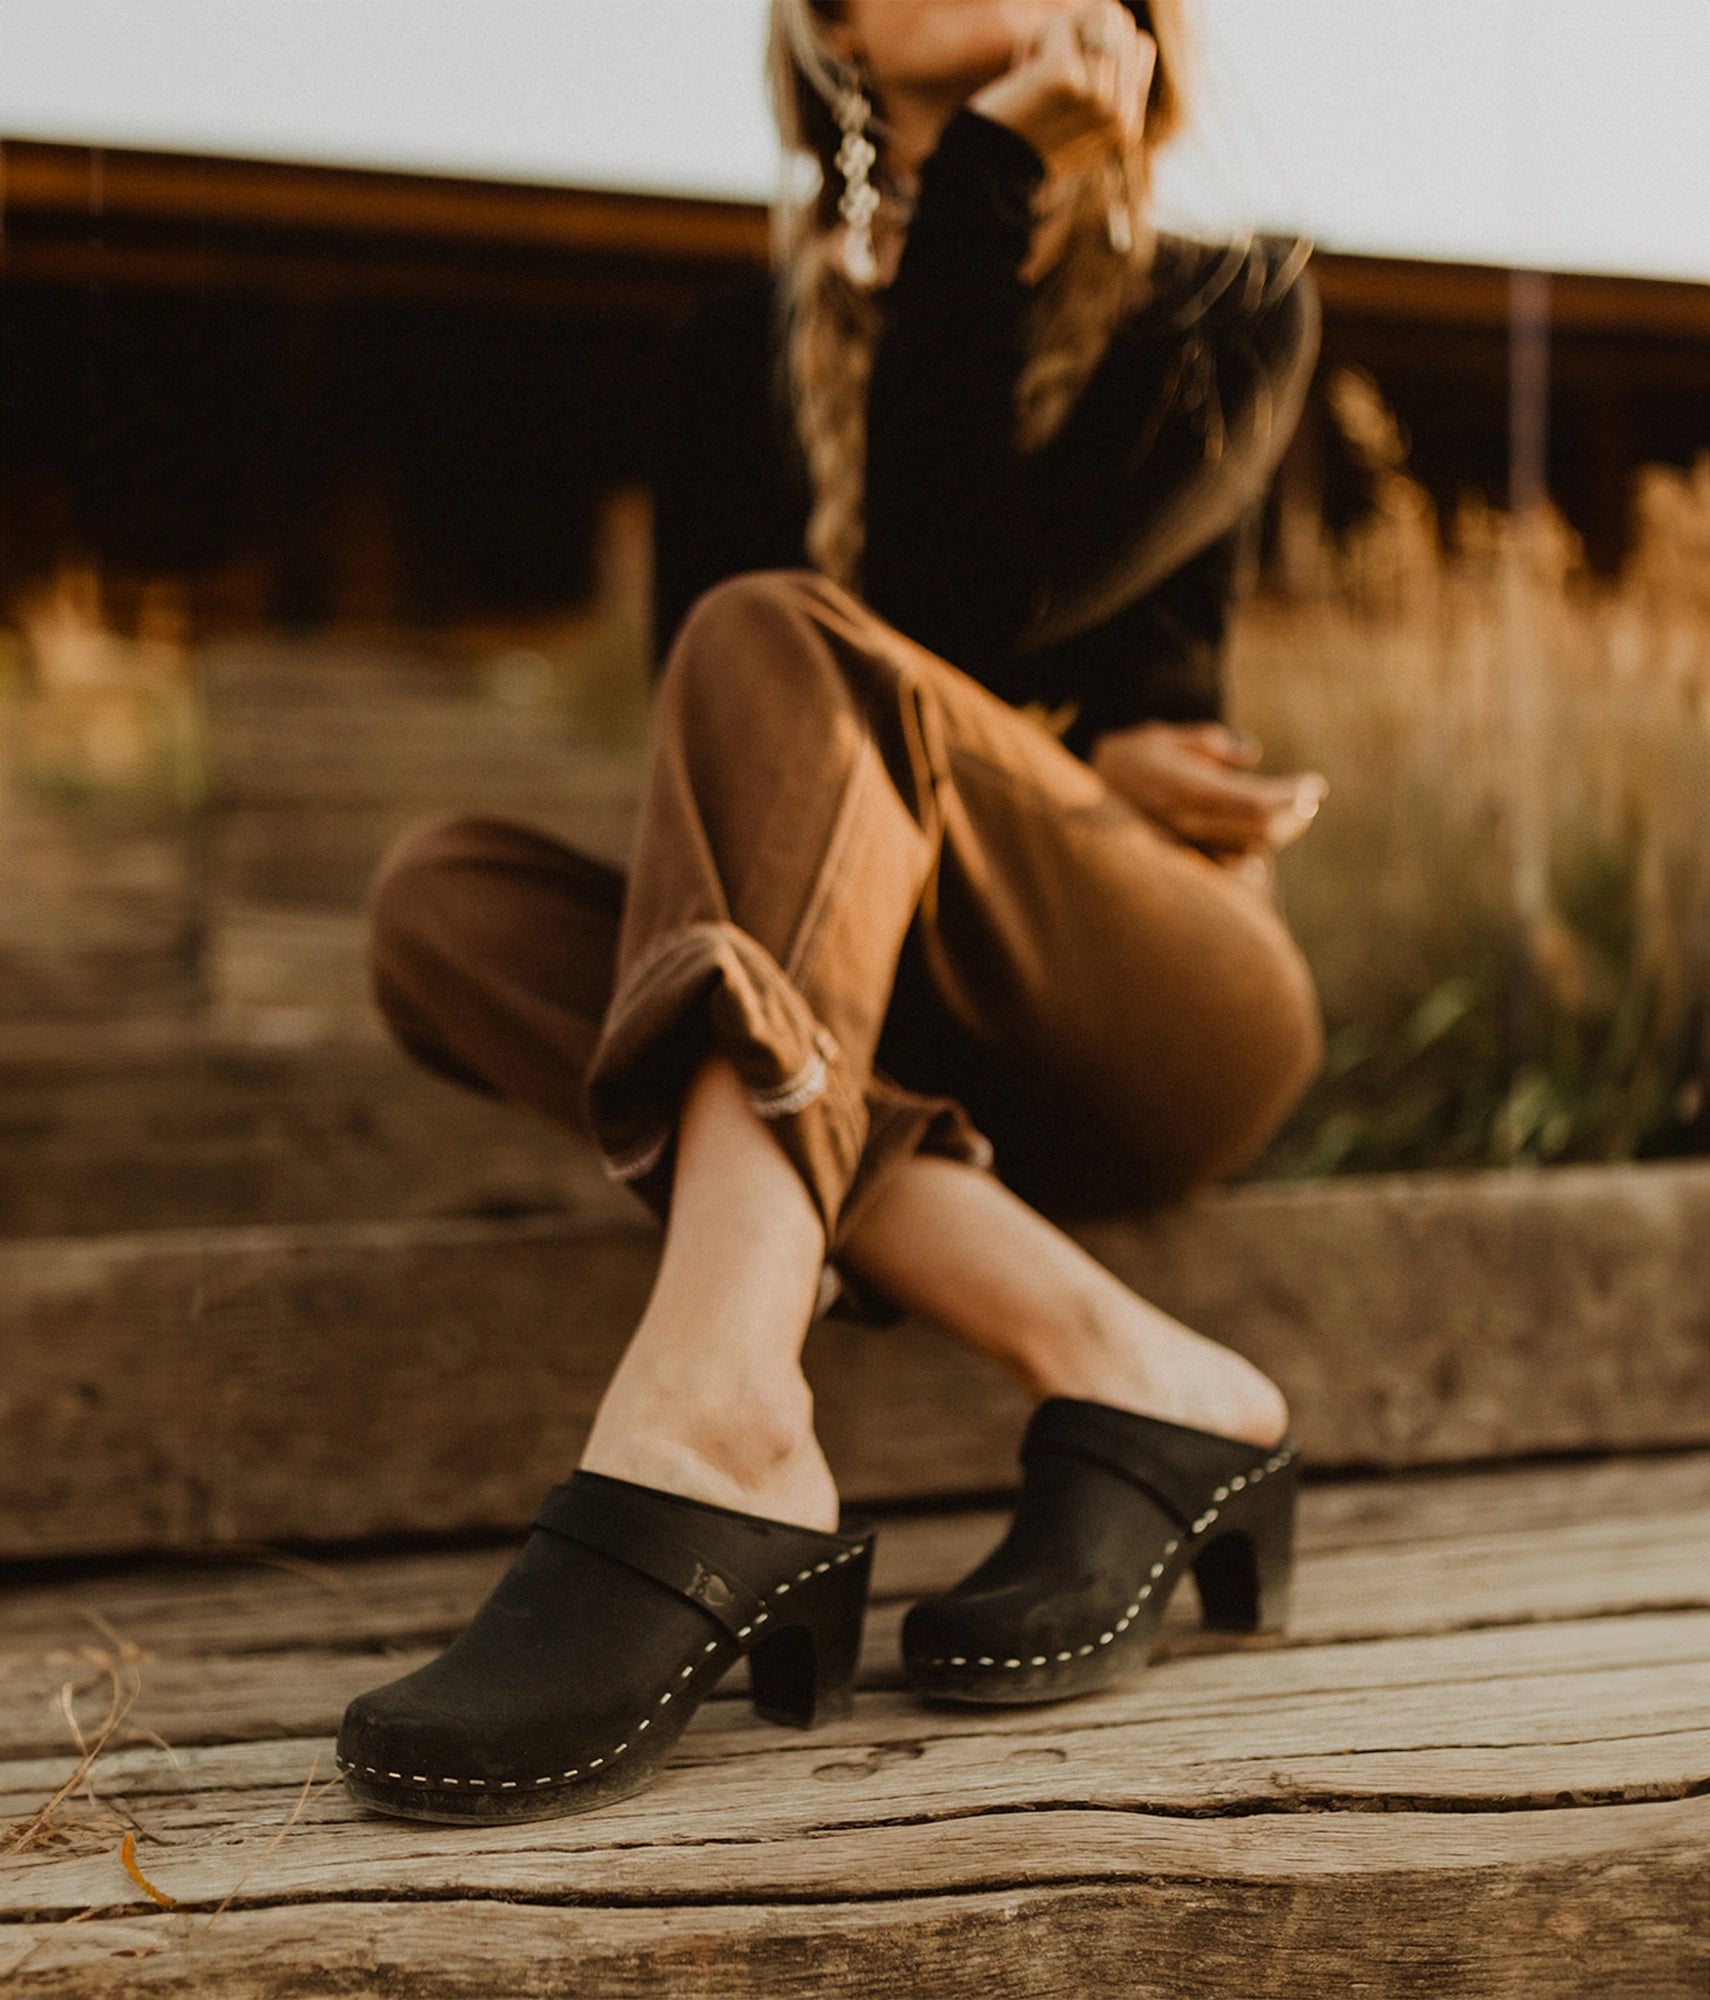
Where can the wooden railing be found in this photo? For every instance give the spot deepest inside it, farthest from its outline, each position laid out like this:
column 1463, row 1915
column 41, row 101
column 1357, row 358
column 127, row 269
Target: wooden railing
column 166, row 218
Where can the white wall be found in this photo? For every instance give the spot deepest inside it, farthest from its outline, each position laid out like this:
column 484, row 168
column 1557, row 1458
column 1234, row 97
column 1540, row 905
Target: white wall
column 1559, row 133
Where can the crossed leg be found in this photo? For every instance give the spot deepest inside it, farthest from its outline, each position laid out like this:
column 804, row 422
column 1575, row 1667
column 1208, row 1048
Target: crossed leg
column 1056, row 951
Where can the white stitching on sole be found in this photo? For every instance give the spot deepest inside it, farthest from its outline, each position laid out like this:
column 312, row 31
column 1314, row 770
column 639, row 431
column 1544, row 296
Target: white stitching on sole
column 1236, row 1485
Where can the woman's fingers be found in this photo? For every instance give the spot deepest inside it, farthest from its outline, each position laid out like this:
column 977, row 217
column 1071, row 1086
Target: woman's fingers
column 1225, row 744
column 1194, row 779
column 1221, row 780
column 1218, row 787
column 1288, row 825
column 1269, row 812
column 1067, row 83
column 1208, row 817
column 1120, row 64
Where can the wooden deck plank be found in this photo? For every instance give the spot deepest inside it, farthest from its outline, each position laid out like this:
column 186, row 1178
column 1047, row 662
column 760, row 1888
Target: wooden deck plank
column 754, row 1805
column 173, row 1388
column 413, row 756
column 1396, row 1554
column 1449, row 1505
column 317, row 1682
column 236, row 1649
column 97, row 910
column 754, row 1799
column 1043, row 1843
column 97, row 1138
column 1520, row 1906
column 317, row 854
column 1450, row 1805
column 1589, row 1668
column 194, row 1694
column 678, row 1852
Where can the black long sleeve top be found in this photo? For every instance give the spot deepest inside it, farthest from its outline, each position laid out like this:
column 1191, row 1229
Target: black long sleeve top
column 1094, row 575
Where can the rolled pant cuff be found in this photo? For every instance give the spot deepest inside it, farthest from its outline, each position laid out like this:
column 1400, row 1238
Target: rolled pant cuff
column 709, row 989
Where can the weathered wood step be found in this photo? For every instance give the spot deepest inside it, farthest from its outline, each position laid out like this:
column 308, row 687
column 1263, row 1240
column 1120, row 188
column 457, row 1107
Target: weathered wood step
column 321, row 754
column 1406, row 1552
column 414, row 1377
column 1482, row 1724
column 326, row 755
column 1479, row 1810
column 1323, row 1725
column 323, row 764
column 316, row 857
column 324, row 726
column 98, row 911
column 197, row 1134
column 251, row 1644
column 1545, row 1907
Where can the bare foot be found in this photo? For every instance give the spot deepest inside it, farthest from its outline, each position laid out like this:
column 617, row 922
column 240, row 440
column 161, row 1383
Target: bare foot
column 1129, row 1354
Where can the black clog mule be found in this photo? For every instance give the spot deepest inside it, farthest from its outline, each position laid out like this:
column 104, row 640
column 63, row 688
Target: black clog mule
column 622, row 1610
column 1114, row 1510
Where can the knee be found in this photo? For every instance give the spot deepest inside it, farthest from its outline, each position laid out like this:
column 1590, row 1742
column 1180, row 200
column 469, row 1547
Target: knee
column 1285, row 1047
column 736, row 604
column 1299, row 1022
column 429, row 918
column 416, row 886
column 747, row 640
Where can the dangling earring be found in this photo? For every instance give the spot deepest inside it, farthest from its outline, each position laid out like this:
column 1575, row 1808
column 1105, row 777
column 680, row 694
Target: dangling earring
column 1119, row 214
column 859, row 202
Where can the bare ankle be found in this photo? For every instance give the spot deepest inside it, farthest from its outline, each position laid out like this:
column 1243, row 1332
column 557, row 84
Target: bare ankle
column 755, row 1451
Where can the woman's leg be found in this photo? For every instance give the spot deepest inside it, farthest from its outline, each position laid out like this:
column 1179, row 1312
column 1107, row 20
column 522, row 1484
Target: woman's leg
column 493, row 954
column 956, row 1246
column 709, row 1399
column 822, row 787
column 790, row 827
column 895, row 839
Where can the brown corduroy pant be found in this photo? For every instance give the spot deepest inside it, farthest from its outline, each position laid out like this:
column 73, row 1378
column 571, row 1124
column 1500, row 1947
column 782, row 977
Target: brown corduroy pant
column 907, row 915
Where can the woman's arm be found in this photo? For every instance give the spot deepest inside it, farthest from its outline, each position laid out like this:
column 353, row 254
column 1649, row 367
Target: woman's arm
column 953, row 552
column 984, row 553
column 1175, row 438
column 1155, row 733
column 952, row 548
column 1161, row 658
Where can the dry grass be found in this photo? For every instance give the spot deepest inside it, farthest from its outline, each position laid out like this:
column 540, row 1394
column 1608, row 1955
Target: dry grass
column 75, row 1820
column 91, row 716
column 1507, row 897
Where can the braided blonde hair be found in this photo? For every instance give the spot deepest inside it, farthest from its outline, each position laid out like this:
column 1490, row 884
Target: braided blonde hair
column 832, row 323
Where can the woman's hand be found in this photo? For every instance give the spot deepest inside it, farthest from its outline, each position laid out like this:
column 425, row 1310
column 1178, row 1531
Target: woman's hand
column 1079, row 77
column 1196, row 781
